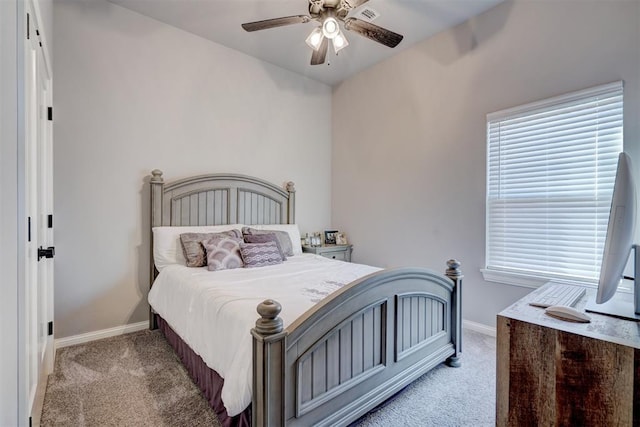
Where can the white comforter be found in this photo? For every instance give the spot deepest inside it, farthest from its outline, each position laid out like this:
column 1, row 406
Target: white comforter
column 213, row 312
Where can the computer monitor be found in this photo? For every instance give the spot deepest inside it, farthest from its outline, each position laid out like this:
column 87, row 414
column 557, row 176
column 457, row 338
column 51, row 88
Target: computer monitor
column 617, row 247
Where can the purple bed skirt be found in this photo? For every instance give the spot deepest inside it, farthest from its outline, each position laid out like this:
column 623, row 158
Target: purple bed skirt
column 205, row 378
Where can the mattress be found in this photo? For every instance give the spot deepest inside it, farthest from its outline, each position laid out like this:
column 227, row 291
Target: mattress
column 214, row 311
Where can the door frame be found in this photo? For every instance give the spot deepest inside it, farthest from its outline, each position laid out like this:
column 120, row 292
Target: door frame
column 38, row 169
column 36, row 314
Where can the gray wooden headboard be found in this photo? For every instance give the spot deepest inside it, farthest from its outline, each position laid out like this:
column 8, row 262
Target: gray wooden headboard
column 216, row 199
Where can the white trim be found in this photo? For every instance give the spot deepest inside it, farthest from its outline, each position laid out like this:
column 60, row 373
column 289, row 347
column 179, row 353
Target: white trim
column 529, row 280
column 135, row 327
column 508, row 278
column 479, row 327
column 97, row 335
column 44, row 43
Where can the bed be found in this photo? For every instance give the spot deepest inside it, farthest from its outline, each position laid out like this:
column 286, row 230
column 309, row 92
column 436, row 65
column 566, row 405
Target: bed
column 335, row 359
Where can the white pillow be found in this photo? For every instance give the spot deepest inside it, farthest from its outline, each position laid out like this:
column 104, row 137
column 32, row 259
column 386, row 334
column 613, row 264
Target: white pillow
column 291, row 229
column 167, row 248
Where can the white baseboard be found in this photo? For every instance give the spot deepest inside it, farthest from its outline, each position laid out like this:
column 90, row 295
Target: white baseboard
column 479, row 327
column 134, row 327
column 97, row 335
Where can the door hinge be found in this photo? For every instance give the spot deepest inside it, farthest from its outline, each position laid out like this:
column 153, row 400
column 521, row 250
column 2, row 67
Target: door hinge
column 28, row 229
column 28, row 26
column 50, row 221
column 49, row 252
column 50, row 113
column 50, row 328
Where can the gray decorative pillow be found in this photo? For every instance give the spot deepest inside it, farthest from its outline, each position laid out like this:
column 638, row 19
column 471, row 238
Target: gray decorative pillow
column 283, row 238
column 264, row 238
column 223, row 253
column 260, row 254
column 193, row 249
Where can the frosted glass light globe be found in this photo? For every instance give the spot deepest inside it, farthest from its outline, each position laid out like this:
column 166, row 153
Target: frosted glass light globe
column 330, row 28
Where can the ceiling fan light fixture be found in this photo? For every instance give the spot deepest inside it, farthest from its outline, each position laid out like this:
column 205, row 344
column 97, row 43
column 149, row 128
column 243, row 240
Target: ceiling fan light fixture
column 339, row 42
column 314, row 40
column 329, row 14
column 330, row 28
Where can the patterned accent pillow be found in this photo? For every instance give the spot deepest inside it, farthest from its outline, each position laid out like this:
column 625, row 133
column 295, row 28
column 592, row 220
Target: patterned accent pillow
column 193, row 248
column 283, row 238
column 260, row 254
column 264, row 238
column 223, row 253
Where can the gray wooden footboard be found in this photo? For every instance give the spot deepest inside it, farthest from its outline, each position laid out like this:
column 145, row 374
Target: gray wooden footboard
column 356, row 348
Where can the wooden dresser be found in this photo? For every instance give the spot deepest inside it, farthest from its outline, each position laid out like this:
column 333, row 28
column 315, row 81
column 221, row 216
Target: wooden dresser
column 552, row 372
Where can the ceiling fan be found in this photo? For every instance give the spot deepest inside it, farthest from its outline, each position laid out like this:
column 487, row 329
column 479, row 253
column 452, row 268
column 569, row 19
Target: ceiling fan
column 329, row 13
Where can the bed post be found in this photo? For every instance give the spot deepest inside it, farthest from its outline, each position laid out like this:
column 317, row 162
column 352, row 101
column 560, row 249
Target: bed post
column 267, row 404
column 291, row 205
column 455, row 274
column 157, row 185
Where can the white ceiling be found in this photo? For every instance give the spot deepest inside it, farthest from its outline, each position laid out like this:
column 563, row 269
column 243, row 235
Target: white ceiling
column 219, row 21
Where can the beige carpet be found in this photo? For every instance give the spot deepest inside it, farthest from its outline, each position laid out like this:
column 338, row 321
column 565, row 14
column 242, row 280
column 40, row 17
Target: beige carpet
column 444, row 396
column 137, row 380
column 130, row 380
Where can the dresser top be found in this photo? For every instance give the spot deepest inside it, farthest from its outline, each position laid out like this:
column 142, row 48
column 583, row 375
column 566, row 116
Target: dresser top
column 602, row 327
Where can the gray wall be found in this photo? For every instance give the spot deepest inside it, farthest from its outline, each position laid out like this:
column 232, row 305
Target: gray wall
column 409, row 134
column 10, row 211
column 133, row 94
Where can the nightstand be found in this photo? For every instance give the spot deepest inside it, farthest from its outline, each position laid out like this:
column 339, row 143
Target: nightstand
column 339, row 252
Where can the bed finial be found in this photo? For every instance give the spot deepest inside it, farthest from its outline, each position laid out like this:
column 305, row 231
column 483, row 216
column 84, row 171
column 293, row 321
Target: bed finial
column 453, row 272
column 291, row 187
column 291, row 204
column 267, row 405
column 156, row 175
column 269, row 322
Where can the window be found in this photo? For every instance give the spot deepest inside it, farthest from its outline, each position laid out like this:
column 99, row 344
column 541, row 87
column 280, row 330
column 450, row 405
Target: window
column 551, row 166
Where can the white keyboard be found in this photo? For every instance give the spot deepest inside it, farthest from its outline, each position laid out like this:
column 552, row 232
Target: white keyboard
column 559, row 294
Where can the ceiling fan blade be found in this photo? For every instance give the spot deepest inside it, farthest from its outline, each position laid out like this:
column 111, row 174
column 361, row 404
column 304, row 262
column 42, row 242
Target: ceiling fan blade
column 373, row 32
column 318, row 56
column 275, row 22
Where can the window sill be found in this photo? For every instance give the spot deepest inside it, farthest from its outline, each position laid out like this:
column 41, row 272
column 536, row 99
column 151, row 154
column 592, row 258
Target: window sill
column 525, row 280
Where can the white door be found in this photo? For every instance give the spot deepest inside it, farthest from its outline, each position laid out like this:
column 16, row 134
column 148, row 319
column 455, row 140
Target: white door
column 38, row 310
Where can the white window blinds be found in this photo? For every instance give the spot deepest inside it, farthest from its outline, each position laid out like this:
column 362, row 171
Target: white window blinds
column 551, row 167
